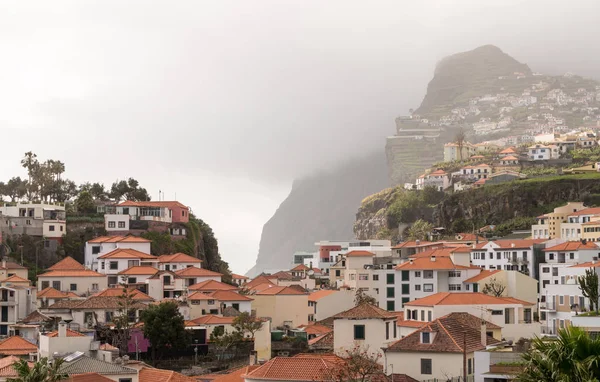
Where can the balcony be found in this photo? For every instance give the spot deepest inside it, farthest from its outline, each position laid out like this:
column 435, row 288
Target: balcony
column 518, row 261
column 548, row 306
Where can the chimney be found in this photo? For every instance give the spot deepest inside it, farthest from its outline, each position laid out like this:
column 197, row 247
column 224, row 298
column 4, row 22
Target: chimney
column 310, row 265
column 483, row 333
column 410, row 260
column 62, row 329
column 417, row 242
column 253, row 358
column 432, row 258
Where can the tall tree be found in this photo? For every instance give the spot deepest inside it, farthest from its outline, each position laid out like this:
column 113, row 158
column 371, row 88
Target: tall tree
column 128, row 190
column 30, row 163
column 42, row 371
column 245, row 323
column 360, row 297
column 164, row 327
column 358, row 365
column 572, row 357
column 460, row 139
column 85, row 202
column 16, row 188
column 588, row 284
column 420, row 230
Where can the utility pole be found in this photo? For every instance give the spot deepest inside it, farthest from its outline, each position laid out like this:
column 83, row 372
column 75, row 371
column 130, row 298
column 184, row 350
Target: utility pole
column 465, row 356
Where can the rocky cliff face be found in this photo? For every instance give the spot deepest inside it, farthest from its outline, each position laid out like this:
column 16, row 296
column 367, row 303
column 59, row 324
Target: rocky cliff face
column 320, row 207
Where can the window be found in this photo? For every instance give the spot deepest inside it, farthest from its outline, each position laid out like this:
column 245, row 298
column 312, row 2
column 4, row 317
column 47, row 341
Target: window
column 427, row 287
column 375, row 277
column 363, row 276
column 418, row 274
column 125, row 380
column 571, row 256
column 469, row 366
column 422, row 315
column 417, row 287
column 405, row 288
column 554, row 271
column 491, row 256
column 405, row 300
column 50, row 228
column 125, row 210
column 387, row 330
column 391, row 306
column 131, row 280
column 454, row 287
column 405, row 275
column 561, row 300
column 427, row 274
column 113, row 265
column 426, row 366
column 454, row 274
column 545, row 270
column 108, row 316
column 352, row 276
column 95, row 249
column 429, row 316
column 467, row 287
column 394, row 325
column 551, row 256
column 167, row 280
column 498, row 256
column 337, row 273
column 359, row 332
column 56, row 285
column 497, row 313
column 94, row 286
column 389, row 278
column 45, row 284
column 425, row 338
column 73, row 287
column 62, row 228
column 390, row 292
column 111, row 224
column 121, row 224
column 211, row 302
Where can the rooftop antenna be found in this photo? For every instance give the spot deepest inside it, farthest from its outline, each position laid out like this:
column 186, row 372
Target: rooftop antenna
column 158, row 195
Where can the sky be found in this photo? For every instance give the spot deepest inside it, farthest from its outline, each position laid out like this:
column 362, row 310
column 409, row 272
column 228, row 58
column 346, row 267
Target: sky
column 223, row 104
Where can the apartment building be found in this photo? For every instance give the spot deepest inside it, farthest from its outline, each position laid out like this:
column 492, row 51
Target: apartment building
column 357, row 274
column 46, row 220
column 163, row 211
column 549, row 225
column 118, row 260
column 582, row 225
column 16, row 303
column 104, row 244
column 515, row 255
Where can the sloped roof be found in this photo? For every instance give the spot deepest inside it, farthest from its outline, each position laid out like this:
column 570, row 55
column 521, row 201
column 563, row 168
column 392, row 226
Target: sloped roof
column 451, row 332
column 587, row 211
column 17, row 345
column 70, row 333
column 72, row 273
column 316, row 329
column 85, row 364
column 572, row 246
column 211, row 285
column 517, row 243
column 235, row 276
column 211, row 319
column 196, row 272
column 15, row 279
column 282, row 275
column 438, row 172
column 510, row 157
column 68, row 263
column 139, row 270
column 35, row 317
column 236, row 375
column 359, row 254
column 158, row 375
column 51, row 293
column 316, row 296
column 447, row 298
column 280, row 290
column 127, row 253
column 589, row 264
column 466, row 236
column 300, row 267
column 484, row 274
column 88, row 377
column 136, row 294
column 323, row 340
column 100, row 302
column 364, row 311
column 227, row 295
column 509, row 150
column 6, row 366
column 425, row 263
column 178, row 258
column 119, row 239
column 262, row 279
column 306, row 368
column 12, row 265
column 412, row 244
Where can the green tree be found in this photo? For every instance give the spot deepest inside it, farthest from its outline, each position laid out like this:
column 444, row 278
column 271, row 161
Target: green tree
column 164, row 328
column 42, row 371
column 572, row 357
column 245, row 323
column 16, row 188
column 588, row 284
column 224, row 341
column 360, row 297
column 128, row 190
column 85, row 202
column 420, row 230
column 30, row 163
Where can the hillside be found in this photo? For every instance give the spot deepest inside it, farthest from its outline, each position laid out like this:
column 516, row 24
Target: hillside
column 320, row 207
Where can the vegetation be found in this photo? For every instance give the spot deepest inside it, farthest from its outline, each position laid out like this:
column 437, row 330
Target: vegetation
column 410, row 206
column 362, row 298
column 494, row 288
column 358, row 365
column 572, row 357
column 420, row 230
column 245, row 323
column 164, row 328
column 588, row 284
column 42, row 371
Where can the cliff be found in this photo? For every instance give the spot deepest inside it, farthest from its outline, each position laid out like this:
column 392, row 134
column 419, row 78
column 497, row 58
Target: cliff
column 319, row 207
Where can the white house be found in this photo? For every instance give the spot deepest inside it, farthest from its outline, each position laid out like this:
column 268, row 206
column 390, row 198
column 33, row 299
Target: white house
column 514, row 255
column 102, row 245
column 328, row 302
column 543, row 152
column 178, row 261
column 34, row 219
column 120, row 259
column 437, row 179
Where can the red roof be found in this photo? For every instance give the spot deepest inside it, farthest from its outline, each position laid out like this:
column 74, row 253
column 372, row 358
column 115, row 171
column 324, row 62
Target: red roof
column 438, row 172
column 280, row 290
column 127, row 253
column 178, row 258
column 359, row 254
column 68, row 263
column 510, row 157
column 211, row 285
column 15, row 279
column 196, row 272
column 227, row 295
column 365, row 310
column 70, row 333
column 508, row 151
column 158, row 375
column 51, row 293
column 518, row 243
column 316, row 296
column 235, row 376
column 447, row 298
column 162, row 204
column 211, row 319
column 17, row 345
column 235, row 276
column 482, row 275
column 572, row 246
column 465, row 236
column 119, row 239
column 587, row 211
column 306, row 368
column 258, row 280
column 117, row 292
column 139, row 270
column 425, row 263
column 300, row 267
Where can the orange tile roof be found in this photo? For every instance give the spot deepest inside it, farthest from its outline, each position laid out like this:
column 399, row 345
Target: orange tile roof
column 108, row 347
column 596, row 222
column 51, row 293
column 365, row 310
column 88, row 377
column 572, row 246
column 70, row 333
column 517, row 243
column 15, row 279
column 178, row 258
column 465, row 236
column 300, row 267
column 261, row 287
column 444, row 251
column 484, row 274
column 236, row 375
column 158, row 375
column 117, row 292
column 359, row 254
column 412, row 244
column 316, row 329
column 72, row 273
column 438, row 172
column 307, row 368
column 17, row 345
column 508, row 151
column 447, row 298
column 6, row 366
column 68, row 263
column 118, row 239
column 262, row 279
column 227, row 295
column 426, row 263
column 211, row 285
column 196, row 272
column 211, row 319
column 139, row 270
column 127, row 253
column 280, row 291
column 510, row 157
column 589, row 264
column 587, row 211
column 316, row 296
column 235, row 276
column 161, row 203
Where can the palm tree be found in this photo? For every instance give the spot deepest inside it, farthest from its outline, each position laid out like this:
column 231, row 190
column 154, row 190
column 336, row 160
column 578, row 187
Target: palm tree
column 42, row 371
column 572, row 357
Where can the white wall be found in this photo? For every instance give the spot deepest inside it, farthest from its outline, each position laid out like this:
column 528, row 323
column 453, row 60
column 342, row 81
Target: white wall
column 334, row 303
column 443, row 365
column 116, row 219
column 375, row 335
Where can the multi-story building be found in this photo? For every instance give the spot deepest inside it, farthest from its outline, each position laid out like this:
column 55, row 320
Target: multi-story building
column 16, row 302
column 581, row 225
column 163, row 211
column 516, row 255
column 452, row 151
column 46, row 220
column 104, row 244
column 357, row 274
column 549, row 225
column 114, row 262
column 540, row 152
column 437, row 179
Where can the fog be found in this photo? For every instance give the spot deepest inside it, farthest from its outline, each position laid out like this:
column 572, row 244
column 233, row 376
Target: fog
column 224, row 103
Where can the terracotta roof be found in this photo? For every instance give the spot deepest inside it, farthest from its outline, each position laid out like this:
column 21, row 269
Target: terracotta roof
column 139, row 270
column 51, row 293
column 127, row 253
column 211, row 319
column 412, row 244
column 572, row 246
column 465, row 236
column 596, row 222
column 364, row 311
column 300, row 267
column 316, row 329
column 510, row 157
column 359, row 254
column 65, row 304
column 70, row 333
column 444, row 251
column 280, row 290
column 262, row 279
column 72, row 273
column 158, row 375
column 15, row 279
column 451, row 332
column 589, row 264
column 322, row 340
column 12, row 265
column 108, row 347
column 17, row 345
column 211, row 285
column 116, row 292
column 6, row 366
column 88, row 377
column 517, row 243
column 438, row 172
column 508, row 151
column 447, row 298
column 68, row 263
column 161, row 203
column 425, row 263
column 101, row 302
column 261, row 287
column 196, row 272
column 281, row 275
column 587, row 211
column 178, row 258
column 119, row 239
column 227, row 295
column 480, row 181
column 35, row 317
column 236, row 375
column 235, row 276
column 316, row 296
column 306, row 368
column 484, row 274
